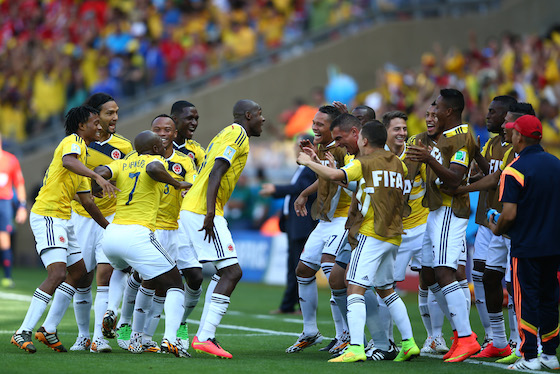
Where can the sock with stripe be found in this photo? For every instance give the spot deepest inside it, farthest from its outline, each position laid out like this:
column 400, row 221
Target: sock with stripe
column 513, row 334
column 356, row 318
column 499, row 338
column 399, row 314
column 174, row 309
column 7, row 259
column 218, row 308
column 129, row 298
column 467, row 291
column 142, row 307
column 152, row 320
column 424, row 310
column 61, row 300
column 436, row 314
column 384, row 316
column 36, row 309
column 442, row 302
column 82, row 310
column 480, row 301
column 457, row 309
column 308, row 301
column 100, row 307
column 191, row 299
column 379, row 334
column 207, row 298
column 116, row 289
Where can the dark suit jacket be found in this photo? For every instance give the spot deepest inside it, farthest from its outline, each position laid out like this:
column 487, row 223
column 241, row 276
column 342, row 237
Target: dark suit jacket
column 297, row 227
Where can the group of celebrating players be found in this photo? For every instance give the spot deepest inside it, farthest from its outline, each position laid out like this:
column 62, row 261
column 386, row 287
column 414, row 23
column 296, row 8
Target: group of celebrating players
column 383, row 203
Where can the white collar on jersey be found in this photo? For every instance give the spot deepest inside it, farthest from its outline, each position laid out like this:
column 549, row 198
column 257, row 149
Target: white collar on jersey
column 172, row 154
column 106, row 141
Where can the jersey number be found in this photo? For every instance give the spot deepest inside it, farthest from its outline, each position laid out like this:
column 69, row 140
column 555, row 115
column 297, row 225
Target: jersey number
column 135, row 177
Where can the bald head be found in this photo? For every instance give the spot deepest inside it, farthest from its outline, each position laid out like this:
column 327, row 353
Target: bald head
column 148, row 142
column 241, row 108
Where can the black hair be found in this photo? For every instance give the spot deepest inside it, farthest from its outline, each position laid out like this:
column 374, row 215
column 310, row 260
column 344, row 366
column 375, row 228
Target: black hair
column 507, row 101
column 331, row 111
column 389, row 116
column 453, row 99
column 77, row 115
column 178, row 106
column 370, row 112
column 98, row 99
column 164, row 116
column 523, row 108
column 345, row 122
column 375, row 132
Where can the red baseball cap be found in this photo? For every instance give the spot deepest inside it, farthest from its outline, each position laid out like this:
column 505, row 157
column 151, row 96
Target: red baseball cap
column 527, row 125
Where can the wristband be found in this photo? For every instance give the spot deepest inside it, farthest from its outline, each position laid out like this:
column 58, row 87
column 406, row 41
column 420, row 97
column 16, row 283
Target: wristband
column 22, row 204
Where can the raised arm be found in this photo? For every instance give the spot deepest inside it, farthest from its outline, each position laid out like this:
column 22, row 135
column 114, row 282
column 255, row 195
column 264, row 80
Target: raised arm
column 157, row 172
column 71, row 162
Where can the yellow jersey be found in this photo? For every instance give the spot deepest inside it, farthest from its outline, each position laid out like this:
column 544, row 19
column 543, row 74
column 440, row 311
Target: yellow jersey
column 231, row 144
column 181, row 167
column 354, row 173
column 140, row 195
column 192, row 149
column 60, row 184
column 418, row 213
column 103, row 153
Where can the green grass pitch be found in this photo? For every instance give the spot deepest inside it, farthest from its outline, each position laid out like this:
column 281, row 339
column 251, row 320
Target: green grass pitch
column 256, row 339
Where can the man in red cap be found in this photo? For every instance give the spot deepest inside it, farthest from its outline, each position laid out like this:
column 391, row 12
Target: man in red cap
column 528, row 191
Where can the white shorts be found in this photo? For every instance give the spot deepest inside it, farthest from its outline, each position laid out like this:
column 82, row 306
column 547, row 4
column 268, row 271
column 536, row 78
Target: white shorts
column 221, row 251
column 497, row 258
column 174, row 243
column 136, row 246
column 328, row 238
column 507, row 277
column 55, row 240
column 445, row 242
column 410, row 249
column 372, row 263
column 90, row 235
column 481, row 243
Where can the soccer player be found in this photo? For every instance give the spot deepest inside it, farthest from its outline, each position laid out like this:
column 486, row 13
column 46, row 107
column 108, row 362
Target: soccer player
column 10, row 178
column 377, row 227
column 130, row 241
column 110, row 146
column 50, row 222
column 490, row 258
column 327, row 239
column 490, row 183
column 202, row 218
column 452, row 149
column 414, row 226
column 180, row 167
column 186, row 117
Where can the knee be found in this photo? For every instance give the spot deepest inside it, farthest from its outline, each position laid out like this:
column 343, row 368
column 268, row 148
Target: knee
column 304, row 271
column 194, row 278
column 57, row 275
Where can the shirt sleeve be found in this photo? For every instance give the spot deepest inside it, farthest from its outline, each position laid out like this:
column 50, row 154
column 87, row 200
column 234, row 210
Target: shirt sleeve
column 84, row 186
column 235, row 144
column 353, row 171
column 72, row 146
column 512, row 182
column 461, row 157
column 114, row 169
column 485, row 148
column 504, row 160
column 17, row 176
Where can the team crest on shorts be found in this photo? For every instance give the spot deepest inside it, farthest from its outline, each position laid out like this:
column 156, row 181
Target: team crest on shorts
column 61, row 239
column 116, row 154
column 230, row 248
column 177, row 168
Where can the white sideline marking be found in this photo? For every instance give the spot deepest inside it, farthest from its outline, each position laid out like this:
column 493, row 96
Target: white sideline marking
column 15, row 297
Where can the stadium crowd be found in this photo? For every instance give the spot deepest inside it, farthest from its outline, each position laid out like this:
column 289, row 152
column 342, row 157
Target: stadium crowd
column 55, row 53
